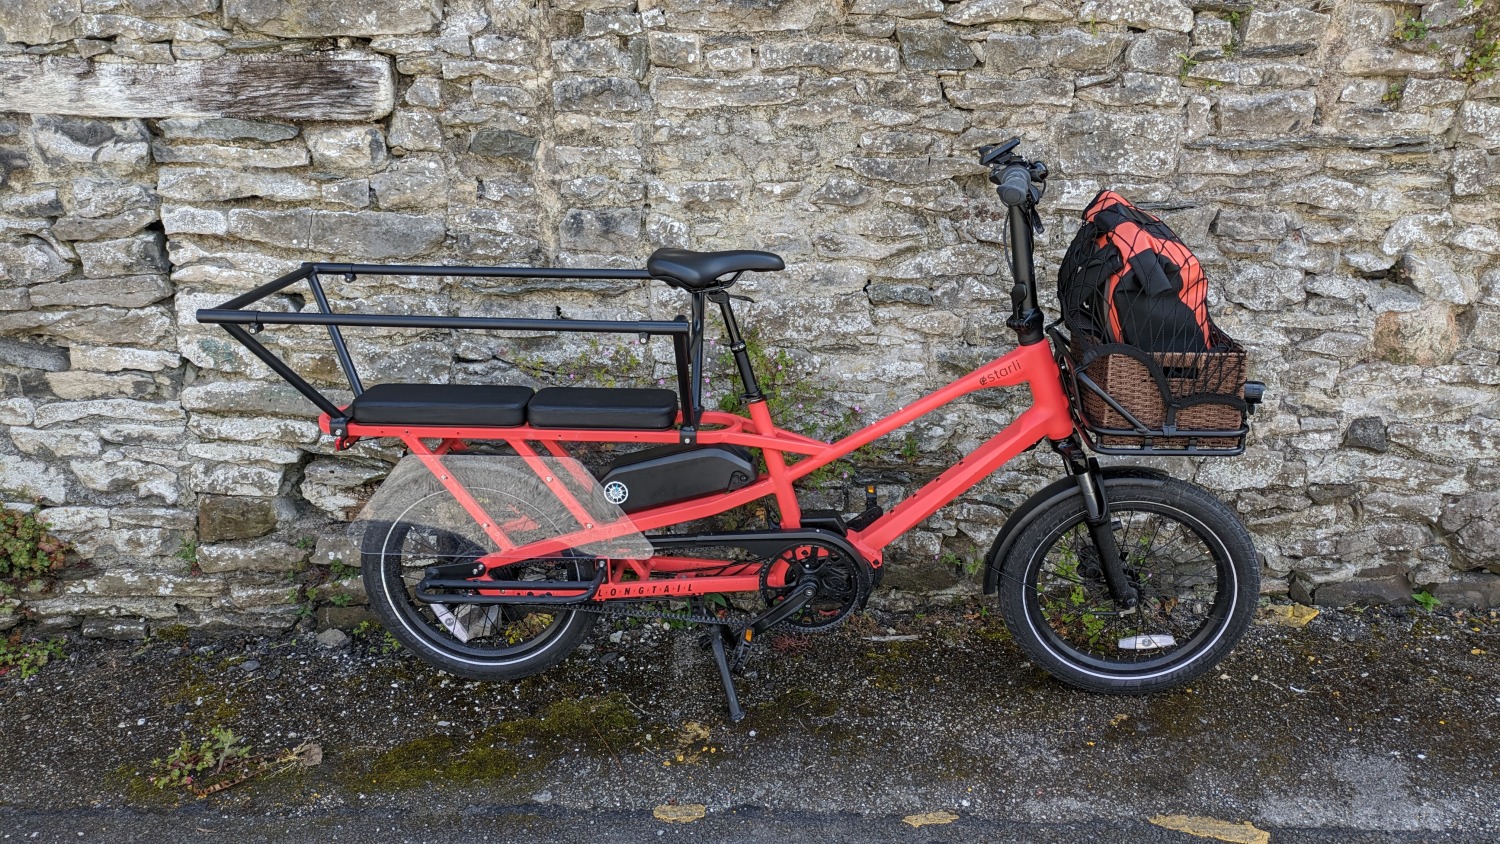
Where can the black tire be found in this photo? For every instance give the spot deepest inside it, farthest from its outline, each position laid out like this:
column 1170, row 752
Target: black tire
column 1185, row 551
column 504, row 642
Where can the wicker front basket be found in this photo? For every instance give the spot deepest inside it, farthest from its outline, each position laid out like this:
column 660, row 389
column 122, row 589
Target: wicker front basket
column 1130, row 383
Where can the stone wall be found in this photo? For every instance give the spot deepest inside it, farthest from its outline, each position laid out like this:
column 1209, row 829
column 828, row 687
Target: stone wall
column 157, row 156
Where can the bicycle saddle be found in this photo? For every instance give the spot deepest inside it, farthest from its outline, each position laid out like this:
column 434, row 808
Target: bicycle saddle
column 697, row 271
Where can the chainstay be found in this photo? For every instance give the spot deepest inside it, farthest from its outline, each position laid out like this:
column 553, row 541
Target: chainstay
column 602, row 609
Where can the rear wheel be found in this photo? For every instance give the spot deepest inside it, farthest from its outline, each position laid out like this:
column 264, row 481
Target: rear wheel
column 476, row 641
column 1184, row 551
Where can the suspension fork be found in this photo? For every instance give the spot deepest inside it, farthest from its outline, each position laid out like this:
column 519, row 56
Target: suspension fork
column 1085, row 471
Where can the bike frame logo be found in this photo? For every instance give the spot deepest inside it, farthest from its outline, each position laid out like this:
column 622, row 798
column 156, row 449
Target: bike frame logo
column 997, row 374
column 616, row 492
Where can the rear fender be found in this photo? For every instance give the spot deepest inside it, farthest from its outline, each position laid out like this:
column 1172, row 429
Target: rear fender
column 1054, row 493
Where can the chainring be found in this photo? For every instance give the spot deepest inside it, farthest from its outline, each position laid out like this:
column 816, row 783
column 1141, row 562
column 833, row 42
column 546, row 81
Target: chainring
column 843, row 584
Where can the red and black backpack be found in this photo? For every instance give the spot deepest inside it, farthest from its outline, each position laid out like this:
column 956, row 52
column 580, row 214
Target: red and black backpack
column 1128, row 278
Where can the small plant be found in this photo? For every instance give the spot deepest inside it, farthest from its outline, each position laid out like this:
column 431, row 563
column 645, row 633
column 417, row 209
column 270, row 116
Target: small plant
column 1234, row 16
column 1188, row 63
column 1393, row 93
column 26, row 658
column 307, row 543
column 187, row 551
column 338, row 571
column 221, row 761
column 1411, row 28
column 1426, row 600
column 27, row 550
column 340, row 600
column 187, row 764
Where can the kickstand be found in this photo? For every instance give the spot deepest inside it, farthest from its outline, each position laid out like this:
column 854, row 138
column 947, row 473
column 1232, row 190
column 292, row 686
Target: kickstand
column 721, row 659
column 800, row 596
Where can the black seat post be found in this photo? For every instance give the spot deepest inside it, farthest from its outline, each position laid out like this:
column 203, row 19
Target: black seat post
column 694, row 412
column 737, row 346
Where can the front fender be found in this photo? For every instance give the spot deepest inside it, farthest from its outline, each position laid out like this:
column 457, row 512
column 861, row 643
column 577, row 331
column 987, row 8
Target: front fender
column 1054, row 493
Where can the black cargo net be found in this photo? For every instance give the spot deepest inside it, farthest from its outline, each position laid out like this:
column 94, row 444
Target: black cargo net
column 1151, row 367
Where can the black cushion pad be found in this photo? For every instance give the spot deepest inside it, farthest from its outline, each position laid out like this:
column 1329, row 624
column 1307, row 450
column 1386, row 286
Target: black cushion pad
column 475, row 405
column 597, row 407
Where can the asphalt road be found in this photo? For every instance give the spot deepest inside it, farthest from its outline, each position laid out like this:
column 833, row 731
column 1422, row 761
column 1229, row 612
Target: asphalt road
column 1381, row 726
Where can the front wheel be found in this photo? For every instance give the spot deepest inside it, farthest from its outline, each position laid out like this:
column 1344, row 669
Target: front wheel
column 1188, row 556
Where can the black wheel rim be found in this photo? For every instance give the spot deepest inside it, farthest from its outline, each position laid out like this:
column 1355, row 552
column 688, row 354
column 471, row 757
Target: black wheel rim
column 1182, row 571
column 495, row 632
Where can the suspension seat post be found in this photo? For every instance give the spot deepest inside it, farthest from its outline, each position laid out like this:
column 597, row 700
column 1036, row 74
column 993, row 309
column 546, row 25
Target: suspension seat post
column 737, row 346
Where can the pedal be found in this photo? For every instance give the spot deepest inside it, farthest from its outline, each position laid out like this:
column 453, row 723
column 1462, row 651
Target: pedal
column 867, row 518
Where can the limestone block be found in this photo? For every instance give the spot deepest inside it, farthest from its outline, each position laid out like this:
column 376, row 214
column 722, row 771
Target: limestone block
column 257, row 555
column 39, row 203
column 17, row 411
column 931, row 48
column 898, row 8
column 503, row 143
column 32, row 261
column 1437, row 279
column 611, row 22
column 1394, row 590
column 981, row 12
column 228, row 156
column 667, row 49
column 685, row 92
column 257, row 429
column 346, row 148
column 1140, row 14
column 255, row 398
column 81, row 143
column 1071, row 49
column 96, row 385
column 604, row 94
column 182, row 219
column 1157, row 51
column 1384, row 61
column 371, row 235
column 224, row 479
column 1286, row 32
column 604, row 230
column 149, row 325
column 222, row 517
column 192, row 184
column 412, row 183
column 1474, row 172
column 99, row 228
column 1427, row 336
column 317, row 19
column 29, row 356
column 510, row 96
column 143, row 254
column 60, row 412
column 26, row 22
column 912, row 171
column 225, row 129
column 351, row 193
column 597, row 56
column 729, row 59
column 1281, row 113
column 1264, row 288
column 835, row 57
column 843, row 192
column 33, row 479
column 1106, row 142
column 416, row 130
column 1479, row 123
column 108, row 198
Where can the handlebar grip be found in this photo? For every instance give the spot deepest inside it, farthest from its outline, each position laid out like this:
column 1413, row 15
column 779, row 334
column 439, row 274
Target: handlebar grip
column 1015, row 185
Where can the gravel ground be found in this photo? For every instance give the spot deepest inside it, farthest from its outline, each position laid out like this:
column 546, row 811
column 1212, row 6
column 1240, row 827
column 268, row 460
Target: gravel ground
column 1375, row 726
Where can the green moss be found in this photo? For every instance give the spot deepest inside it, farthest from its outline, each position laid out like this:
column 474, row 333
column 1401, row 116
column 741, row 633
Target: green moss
column 602, row 726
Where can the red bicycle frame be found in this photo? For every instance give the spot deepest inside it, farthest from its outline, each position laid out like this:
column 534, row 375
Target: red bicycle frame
column 1047, row 417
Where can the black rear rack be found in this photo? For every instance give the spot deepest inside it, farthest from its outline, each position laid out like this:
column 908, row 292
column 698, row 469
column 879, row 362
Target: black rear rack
column 687, row 339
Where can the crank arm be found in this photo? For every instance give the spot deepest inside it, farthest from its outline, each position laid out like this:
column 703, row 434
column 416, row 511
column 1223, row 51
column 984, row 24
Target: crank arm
column 801, row 596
